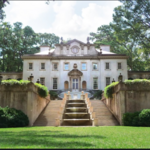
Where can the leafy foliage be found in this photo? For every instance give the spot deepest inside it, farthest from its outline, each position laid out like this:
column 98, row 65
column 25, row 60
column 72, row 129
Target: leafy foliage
column 98, row 94
column 144, row 117
column 136, row 81
column 17, row 41
column 53, row 95
column 131, row 119
column 11, row 117
column 109, row 90
column 128, row 33
column 14, row 81
column 42, row 90
column 141, row 118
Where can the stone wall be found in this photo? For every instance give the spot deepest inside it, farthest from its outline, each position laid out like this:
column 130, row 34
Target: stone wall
column 128, row 98
column 23, row 98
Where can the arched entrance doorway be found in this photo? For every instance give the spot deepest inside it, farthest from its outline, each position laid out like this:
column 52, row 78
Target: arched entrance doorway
column 66, row 85
column 84, row 85
column 75, row 79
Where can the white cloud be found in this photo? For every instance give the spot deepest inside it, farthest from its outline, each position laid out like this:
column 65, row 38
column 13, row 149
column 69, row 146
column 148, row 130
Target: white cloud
column 25, row 11
column 62, row 18
column 70, row 25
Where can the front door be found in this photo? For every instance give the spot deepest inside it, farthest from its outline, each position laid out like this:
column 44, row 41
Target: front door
column 75, row 84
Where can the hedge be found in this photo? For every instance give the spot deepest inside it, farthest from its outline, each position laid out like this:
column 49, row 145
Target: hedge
column 11, row 117
column 42, row 90
column 141, row 118
column 109, row 90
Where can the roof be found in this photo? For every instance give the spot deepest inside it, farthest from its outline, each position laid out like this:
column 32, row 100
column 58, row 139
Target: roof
column 74, row 40
column 105, row 52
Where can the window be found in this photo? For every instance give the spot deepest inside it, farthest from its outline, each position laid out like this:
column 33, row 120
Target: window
column 95, row 83
column 83, row 66
column 95, row 66
column 119, row 66
column 66, row 67
column 30, row 66
column 107, row 65
column 54, row 83
column 42, row 81
column 42, row 65
column 55, row 66
column 107, row 81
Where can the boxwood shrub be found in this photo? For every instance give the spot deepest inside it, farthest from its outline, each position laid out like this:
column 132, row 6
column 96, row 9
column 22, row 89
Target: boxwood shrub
column 11, row 117
column 131, row 119
column 144, row 117
column 141, row 118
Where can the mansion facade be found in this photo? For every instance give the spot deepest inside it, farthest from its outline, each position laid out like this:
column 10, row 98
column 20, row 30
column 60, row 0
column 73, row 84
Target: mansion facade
column 75, row 66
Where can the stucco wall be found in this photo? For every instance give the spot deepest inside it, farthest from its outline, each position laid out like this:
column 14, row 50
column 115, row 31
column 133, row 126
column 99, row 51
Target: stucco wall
column 62, row 75
column 128, row 99
column 23, row 98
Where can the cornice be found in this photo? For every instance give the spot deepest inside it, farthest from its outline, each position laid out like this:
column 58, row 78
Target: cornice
column 103, row 56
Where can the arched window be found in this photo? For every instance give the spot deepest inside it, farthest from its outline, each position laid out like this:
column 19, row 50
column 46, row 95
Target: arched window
column 84, row 85
column 66, row 85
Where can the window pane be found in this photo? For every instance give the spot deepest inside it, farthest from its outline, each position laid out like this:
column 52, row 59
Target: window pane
column 119, row 65
column 42, row 81
column 83, row 66
column 54, row 83
column 66, row 66
column 30, row 65
column 55, row 66
column 107, row 81
column 107, row 65
column 94, row 66
column 42, row 65
column 95, row 83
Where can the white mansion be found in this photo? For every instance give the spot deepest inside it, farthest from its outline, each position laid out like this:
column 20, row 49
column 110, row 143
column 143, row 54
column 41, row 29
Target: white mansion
column 74, row 66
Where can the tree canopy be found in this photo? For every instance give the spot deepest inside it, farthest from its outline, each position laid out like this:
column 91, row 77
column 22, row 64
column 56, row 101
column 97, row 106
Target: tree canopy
column 128, row 33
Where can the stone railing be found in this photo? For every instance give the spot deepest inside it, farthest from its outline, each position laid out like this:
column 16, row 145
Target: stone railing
column 24, row 98
column 128, row 98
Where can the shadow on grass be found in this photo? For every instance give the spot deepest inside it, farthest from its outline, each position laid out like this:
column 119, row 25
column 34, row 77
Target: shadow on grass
column 46, row 138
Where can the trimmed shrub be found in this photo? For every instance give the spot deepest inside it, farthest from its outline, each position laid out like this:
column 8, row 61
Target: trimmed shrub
column 136, row 81
column 53, row 95
column 42, row 90
column 14, row 81
column 98, row 94
column 144, row 117
column 12, row 117
column 131, row 119
column 109, row 90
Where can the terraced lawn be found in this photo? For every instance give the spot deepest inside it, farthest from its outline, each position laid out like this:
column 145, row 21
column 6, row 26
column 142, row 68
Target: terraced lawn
column 75, row 137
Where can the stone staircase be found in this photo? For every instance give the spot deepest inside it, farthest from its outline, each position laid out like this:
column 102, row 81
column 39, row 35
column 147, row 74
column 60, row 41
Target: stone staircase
column 49, row 114
column 76, row 113
column 103, row 115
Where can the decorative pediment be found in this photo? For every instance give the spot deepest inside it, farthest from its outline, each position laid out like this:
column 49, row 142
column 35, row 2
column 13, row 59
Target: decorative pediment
column 75, row 72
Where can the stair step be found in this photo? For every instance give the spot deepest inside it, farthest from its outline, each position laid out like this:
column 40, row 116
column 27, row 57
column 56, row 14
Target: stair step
column 76, row 108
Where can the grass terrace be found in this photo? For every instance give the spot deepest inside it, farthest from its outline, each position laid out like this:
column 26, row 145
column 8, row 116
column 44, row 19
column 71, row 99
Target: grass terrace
column 75, row 137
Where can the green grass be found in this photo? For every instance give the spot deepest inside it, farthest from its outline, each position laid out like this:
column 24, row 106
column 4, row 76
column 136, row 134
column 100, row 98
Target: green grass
column 75, row 137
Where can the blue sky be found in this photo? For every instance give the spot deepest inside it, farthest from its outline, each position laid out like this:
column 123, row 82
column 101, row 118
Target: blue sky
column 67, row 19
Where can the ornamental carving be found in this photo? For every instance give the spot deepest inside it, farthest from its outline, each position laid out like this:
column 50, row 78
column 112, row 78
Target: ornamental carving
column 75, row 49
column 75, row 72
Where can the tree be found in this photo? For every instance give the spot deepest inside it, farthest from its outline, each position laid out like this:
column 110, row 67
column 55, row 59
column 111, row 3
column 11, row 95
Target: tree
column 48, row 39
column 16, row 41
column 2, row 5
